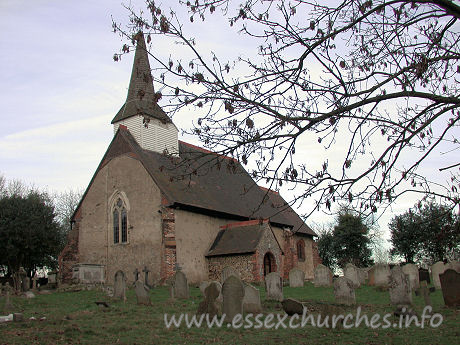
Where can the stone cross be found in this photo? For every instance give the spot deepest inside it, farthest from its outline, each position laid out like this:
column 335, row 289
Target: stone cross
column 146, row 273
column 136, row 275
column 34, row 282
column 425, row 292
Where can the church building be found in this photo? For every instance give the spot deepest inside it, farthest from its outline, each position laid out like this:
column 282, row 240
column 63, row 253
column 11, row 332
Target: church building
column 157, row 204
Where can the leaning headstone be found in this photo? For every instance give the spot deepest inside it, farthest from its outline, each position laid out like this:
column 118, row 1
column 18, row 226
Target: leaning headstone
column 424, row 275
column 209, row 305
column 412, row 271
column 450, row 285
column 351, row 272
column 323, row 276
column 119, row 288
column 379, row 275
column 251, row 300
column 292, row 306
column 142, row 293
column 203, row 286
column 296, row 278
column 227, row 272
column 344, row 291
column 180, row 286
column 453, row 265
column 400, row 288
column 437, row 269
column 233, row 292
column 274, row 286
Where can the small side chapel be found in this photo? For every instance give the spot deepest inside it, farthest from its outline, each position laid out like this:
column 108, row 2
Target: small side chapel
column 139, row 213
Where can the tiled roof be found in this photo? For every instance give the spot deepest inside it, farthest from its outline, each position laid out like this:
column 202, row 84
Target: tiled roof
column 239, row 238
column 206, row 182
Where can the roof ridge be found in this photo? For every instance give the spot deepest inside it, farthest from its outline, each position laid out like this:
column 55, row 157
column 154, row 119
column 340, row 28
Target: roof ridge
column 207, row 151
column 245, row 223
column 269, row 190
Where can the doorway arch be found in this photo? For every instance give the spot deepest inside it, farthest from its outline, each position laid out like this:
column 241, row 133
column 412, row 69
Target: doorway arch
column 269, row 263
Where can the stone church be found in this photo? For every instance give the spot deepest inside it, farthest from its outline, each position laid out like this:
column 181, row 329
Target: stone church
column 157, row 204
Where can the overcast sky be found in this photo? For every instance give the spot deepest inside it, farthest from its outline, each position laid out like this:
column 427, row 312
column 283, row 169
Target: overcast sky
column 60, row 88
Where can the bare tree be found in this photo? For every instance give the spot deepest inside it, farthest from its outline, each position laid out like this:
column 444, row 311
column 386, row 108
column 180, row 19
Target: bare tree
column 65, row 204
column 375, row 83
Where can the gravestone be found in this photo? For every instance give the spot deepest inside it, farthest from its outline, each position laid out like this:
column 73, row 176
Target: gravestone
column 351, row 272
column 22, row 274
column 424, row 275
column 8, row 305
column 292, row 306
column 142, row 293
column 209, row 304
column 146, row 276
column 25, row 284
column 453, row 265
column 274, row 286
column 296, row 278
column 251, row 300
column 379, row 275
column 412, row 271
column 323, row 276
column 119, row 288
column 400, row 288
column 233, row 292
column 34, row 282
column 136, row 275
column 450, row 285
column 180, row 286
column 344, row 291
column 437, row 269
column 29, row 294
column 227, row 272
column 52, row 279
column 362, row 275
column 203, row 285
column 424, row 291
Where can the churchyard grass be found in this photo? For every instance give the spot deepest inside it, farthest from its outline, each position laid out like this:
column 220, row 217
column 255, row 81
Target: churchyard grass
column 74, row 318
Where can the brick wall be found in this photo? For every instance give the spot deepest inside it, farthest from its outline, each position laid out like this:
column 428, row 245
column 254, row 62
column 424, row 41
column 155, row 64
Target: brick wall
column 316, row 258
column 69, row 255
column 169, row 258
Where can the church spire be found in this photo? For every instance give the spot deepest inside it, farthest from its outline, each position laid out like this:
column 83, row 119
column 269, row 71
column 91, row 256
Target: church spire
column 140, row 85
column 141, row 96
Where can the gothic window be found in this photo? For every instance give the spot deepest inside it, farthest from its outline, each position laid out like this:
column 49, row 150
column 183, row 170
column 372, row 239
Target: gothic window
column 120, row 222
column 116, row 226
column 301, row 250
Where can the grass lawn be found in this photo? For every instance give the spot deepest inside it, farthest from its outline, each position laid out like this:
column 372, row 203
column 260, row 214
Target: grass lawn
column 74, row 318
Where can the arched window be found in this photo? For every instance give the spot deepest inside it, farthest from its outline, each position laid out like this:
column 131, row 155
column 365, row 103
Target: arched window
column 120, row 222
column 301, row 250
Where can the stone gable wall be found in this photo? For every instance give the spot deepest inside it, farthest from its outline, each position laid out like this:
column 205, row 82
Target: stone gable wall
column 144, row 247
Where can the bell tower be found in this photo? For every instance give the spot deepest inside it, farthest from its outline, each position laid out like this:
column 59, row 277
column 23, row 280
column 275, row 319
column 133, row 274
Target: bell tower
column 147, row 122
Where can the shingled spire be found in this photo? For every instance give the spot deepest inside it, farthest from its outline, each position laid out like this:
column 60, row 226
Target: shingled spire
column 141, row 96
